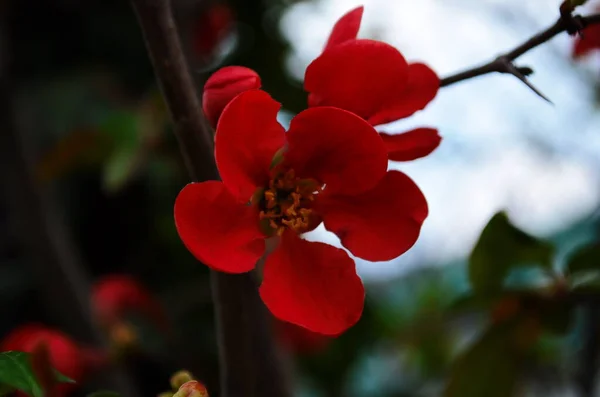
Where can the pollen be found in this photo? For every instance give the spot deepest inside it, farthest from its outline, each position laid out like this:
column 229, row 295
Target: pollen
column 287, row 203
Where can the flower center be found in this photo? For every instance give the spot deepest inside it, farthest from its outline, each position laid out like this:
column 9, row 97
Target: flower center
column 287, row 203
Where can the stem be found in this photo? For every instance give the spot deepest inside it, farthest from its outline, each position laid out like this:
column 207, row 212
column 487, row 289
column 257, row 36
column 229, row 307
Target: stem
column 248, row 355
column 503, row 62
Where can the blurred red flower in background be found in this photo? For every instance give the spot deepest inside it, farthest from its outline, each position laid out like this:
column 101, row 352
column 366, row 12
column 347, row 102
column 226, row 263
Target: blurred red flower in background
column 211, row 28
column 117, row 295
column 329, row 167
column 66, row 355
column 588, row 41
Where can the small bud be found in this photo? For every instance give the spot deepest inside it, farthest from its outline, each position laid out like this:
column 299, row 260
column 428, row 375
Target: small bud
column 166, row 394
column 192, row 389
column 224, row 85
column 180, row 378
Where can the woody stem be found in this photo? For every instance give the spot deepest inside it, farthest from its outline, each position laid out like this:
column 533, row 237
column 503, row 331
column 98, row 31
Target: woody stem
column 503, row 63
column 248, row 357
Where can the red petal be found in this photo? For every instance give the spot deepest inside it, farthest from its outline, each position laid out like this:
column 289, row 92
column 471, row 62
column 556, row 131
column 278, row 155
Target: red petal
column 224, row 85
column 362, row 76
column 218, row 231
column 336, row 147
column 313, row 285
column 346, row 28
column 248, row 135
column 380, row 224
column 411, row 145
column 423, row 85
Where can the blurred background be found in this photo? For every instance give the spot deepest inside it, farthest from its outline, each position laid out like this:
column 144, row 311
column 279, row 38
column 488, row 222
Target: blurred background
column 91, row 169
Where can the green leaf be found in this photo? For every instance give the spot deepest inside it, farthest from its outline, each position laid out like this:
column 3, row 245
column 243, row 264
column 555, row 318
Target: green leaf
column 104, row 393
column 501, row 248
column 587, row 258
column 489, row 368
column 16, row 373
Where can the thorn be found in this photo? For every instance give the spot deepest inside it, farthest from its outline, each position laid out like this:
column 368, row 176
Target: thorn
column 512, row 69
column 525, row 70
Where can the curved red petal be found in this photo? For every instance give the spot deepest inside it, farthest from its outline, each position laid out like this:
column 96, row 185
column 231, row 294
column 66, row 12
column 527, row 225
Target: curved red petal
column 218, row 231
column 313, row 285
column 362, row 76
column 224, row 85
column 337, row 148
column 380, row 224
column 248, row 135
column 346, row 28
column 423, row 85
column 411, row 145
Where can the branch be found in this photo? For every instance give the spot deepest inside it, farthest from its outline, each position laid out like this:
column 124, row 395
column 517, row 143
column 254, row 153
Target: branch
column 504, row 62
column 248, row 355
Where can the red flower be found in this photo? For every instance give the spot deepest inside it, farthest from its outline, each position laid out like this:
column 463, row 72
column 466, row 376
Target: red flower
column 213, row 25
column 588, row 41
column 366, row 77
column 65, row 355
column 224, row 85
column 329, row 167
column 373, row 80
column 114, row 296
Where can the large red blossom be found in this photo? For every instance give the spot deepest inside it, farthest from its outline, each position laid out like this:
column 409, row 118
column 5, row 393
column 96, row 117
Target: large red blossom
column 373, row 80
column 329, row 167
column 366, row 77
column 68, row 357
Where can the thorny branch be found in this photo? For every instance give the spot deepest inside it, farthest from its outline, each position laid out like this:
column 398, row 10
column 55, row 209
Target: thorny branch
column 504, row 63
column 248, row 356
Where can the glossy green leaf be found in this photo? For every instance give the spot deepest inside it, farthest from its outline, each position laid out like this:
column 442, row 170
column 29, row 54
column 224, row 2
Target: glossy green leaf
column 490, row 367
column 587, row 258
column 16, row 373
column 502, row 247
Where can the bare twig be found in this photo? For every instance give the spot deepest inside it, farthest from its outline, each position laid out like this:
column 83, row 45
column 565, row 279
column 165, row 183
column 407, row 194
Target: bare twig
column 249, row 363
column 504, row 62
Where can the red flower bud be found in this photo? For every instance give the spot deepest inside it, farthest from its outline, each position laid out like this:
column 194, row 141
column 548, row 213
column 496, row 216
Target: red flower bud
column 224, row 85
column 192, row 388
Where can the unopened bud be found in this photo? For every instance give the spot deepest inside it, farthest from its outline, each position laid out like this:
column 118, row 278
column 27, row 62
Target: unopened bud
column 224, row 85
column 180, row 378
column 192, row 389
